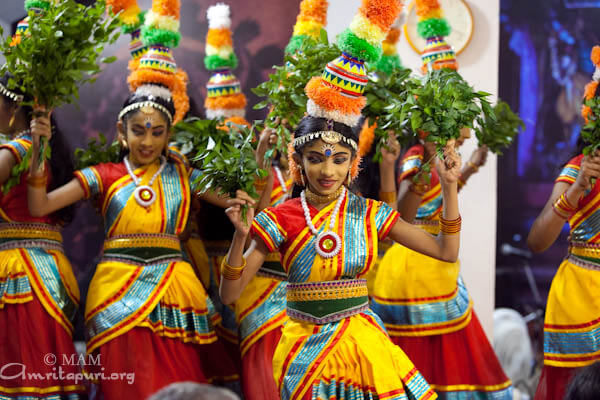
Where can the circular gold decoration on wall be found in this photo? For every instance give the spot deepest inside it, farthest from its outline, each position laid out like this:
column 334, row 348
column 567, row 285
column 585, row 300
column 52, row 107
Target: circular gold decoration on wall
column 458, row 14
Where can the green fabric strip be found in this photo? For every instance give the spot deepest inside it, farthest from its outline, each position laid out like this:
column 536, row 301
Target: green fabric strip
column 323, row 308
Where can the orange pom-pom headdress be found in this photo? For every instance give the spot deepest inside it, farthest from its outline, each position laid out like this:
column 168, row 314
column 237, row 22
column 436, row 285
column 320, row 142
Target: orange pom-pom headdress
column 591, row 89
column 337, row 95
column 157, row 69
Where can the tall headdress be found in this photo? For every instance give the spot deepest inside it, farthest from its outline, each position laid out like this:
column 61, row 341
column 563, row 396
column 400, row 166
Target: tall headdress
column 31, row 6
column 390, row 60
column 157, row 73
column 132, row 20
column 337, row 95
column 434, row 28
column 224, row 91
column 309, row 23
column 591, row 89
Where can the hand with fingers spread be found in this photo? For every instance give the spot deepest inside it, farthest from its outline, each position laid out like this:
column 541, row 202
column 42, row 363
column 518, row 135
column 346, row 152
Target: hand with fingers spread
column 234, row 212
column 590, row 169
column 449, row 167
column 390, row 151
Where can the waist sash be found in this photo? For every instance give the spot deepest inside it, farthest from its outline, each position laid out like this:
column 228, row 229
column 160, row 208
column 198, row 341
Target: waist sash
column 326, row 302
column 143, row 249
column 585, row 255
column 30, row 235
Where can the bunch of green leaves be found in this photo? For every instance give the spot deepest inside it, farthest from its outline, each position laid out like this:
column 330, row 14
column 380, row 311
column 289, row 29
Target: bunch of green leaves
column 499, row 132
column 284, row 91
column 192, row 135
column 380, row 91
column 439, row 105
column 590, row 133
column 97, row 151
column 61, row 50
column 228, row 163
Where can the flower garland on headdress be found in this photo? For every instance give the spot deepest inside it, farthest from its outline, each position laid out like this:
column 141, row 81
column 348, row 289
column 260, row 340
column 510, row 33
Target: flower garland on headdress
column 390, row 60
column 224, row 91
column 132, row 19
column 591, row 89
column 157, row 66
column 337, row 95
column 309, row 23
column 433, row 27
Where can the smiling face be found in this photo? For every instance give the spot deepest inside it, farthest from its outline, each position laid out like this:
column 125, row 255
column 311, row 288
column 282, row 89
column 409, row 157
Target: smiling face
column 146, row 135
column 326, row 166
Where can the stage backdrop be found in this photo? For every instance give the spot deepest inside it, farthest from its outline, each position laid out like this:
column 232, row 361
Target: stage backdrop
column 544, row 66
column 261, row 29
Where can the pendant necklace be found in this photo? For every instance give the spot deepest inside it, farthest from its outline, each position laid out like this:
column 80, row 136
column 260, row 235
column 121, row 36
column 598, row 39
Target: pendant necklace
column 328, row 243
column 145, row 195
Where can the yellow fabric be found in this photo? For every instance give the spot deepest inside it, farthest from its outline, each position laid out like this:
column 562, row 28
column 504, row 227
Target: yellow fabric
column 363, row 354
column 406, row 274
column 194, row 247
column 573, row 297
column 16, row 261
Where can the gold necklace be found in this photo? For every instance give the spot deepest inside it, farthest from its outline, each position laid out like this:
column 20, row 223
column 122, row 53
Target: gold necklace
column 323, row 199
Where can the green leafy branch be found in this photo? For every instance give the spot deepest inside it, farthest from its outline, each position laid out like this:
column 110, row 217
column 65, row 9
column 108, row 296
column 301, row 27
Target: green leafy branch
column 437, row 106
column 590, row 133
column 228, row 163
column 499, row 133
column 97, row 151
column 284, row 91
column 192, row 135
column 60, row 52
column 380, row 92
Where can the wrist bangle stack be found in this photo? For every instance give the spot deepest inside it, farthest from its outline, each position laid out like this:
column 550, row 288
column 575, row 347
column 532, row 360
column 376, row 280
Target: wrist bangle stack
column 450, row 226
column 563, row 208
column 461, row 183
column 37, row 181
column 474, row 167
column 232, row 273
column 388, row 197
column 260, row 184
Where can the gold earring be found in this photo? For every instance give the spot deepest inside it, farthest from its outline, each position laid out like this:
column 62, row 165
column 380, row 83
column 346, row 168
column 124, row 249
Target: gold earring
column 12, row 121
column 302, row 177
column 349, row 179
column 123, row 144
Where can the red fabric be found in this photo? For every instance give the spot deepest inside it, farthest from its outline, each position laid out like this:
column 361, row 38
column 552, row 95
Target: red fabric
column 462, row 357
column 156, row 362
column 258, row 382
column 553, row 383
column 30, row 337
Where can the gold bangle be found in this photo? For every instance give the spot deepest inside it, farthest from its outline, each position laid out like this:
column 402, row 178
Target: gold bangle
column 388, row 197
column 450, row 226
column 37, row 181
column 474, row 167
column 260, row 184
column 232, row 273
column 461, row 183
column 563, row 208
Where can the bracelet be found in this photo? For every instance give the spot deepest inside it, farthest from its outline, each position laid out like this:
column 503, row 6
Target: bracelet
column 563, row 208
column 388, row 197
column 260, row 184
column 474, row 167
column 37, row 181
column 450, row 226
column 232, row 273
column 461, row 183
column 419, row 188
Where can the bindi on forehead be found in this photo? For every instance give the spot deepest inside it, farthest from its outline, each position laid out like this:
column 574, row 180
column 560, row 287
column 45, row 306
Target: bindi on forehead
column 326, row 149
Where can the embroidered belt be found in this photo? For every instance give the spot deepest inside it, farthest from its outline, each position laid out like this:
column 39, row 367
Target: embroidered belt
column 325, row 302
column 585, row 255
column 30, row 235
column 428, row 225
column 142, row 249
column 272, row 267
